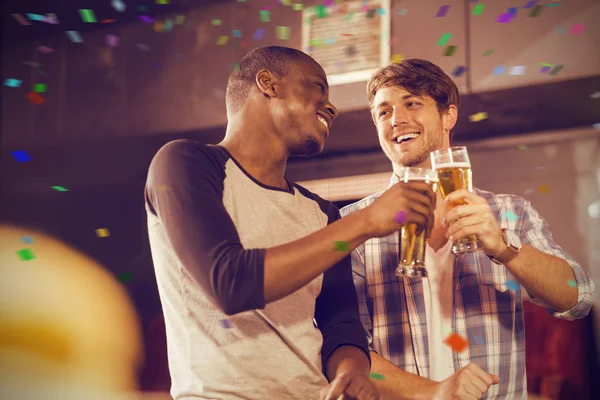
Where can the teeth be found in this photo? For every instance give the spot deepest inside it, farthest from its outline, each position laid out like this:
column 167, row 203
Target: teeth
column 406, row 136
column 323, row 121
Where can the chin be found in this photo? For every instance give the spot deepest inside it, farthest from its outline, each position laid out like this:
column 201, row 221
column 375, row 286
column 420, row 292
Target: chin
column 310, row 147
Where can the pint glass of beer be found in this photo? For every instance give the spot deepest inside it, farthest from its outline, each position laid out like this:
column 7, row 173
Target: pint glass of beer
column 412, row 236
column 454, row 172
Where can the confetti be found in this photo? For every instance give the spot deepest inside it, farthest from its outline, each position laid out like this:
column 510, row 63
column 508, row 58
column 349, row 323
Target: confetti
column 442, row 11
column 450, row 50
column 265, row 16
column 397, row 58
column 444, row 39
column 13, row 82
column 572, row 283
column 559, row 30
column 146, row 19
column 512, row 11
column 458, row 71
column 499, row 70
column 45, row 49
column 125, row 277
column 51, row 19
column 478, row 117
column 236, row 33
column 20, row 19
column 556, row 69
column 512, row 285
column 489, row 52
column 478, row 9
column 530, row 4
column 112, row 40
column 102, row 232
column 509, row 215
column 60, row 189
column 298, row 7
column 108, row 21
column 40, row 87
column 87, row 15
column 536, row 11
column 341, row 246
column 545, row 69
column 543, row 189
column 223, row 39
column 162, row 1
column 401, row 217
column 235, row 67
column 26, row 254
column 457, row 342
column 522, row 147
column 21, row 155
column 36, row 17
column 505, row 18
column 74, row 36
column 27, row 239
column 35, row 98
column 321, row 11
column 225, row 323
column 517, row 70
column 216, row 22
column 376, row 376
column 259, row 34
column 576, row 29
column 142, row 9
column 118, row 5
column 180, row 20
column 283, row 32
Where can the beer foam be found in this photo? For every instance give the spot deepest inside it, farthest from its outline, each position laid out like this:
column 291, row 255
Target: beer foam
column 453, row 165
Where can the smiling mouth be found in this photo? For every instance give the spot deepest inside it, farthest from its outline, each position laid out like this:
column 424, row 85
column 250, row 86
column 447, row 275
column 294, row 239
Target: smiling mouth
column 406, row 137
column 324, row 122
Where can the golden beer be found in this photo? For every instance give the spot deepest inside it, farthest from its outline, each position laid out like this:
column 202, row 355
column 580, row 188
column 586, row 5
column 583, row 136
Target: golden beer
column 412, row 237
column 454, row 173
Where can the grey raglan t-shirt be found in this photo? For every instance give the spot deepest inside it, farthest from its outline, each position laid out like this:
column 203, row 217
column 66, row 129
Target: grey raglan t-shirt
column 209, row 223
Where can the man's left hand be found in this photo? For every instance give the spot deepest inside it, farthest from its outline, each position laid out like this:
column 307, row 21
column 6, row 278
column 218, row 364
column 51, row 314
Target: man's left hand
column 473, row 217
column 350, row 387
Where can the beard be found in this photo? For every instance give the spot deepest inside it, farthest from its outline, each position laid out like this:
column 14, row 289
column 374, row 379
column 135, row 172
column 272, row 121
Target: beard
column 310, row 146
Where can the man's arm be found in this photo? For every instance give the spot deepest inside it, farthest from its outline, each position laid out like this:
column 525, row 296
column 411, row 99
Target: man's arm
column 397, row 383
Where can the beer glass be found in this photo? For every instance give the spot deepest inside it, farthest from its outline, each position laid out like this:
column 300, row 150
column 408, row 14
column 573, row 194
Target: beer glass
column 412, row 237
column 454, row 172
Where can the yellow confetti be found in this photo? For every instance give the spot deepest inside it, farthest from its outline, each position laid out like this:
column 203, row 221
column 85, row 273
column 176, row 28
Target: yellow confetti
column 397, row 58
column 478, row 117
column 223, row 39
column 543, row 189
column 103, row 232
column 159, row 26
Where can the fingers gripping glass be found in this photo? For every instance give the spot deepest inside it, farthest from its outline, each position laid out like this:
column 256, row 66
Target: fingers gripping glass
column 454, row 172
column 412, row 236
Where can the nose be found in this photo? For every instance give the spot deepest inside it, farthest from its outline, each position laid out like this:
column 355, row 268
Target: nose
column 398, row 118
column 331, row 110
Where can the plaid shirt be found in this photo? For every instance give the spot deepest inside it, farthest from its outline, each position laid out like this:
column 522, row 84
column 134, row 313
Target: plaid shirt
column 485, row 311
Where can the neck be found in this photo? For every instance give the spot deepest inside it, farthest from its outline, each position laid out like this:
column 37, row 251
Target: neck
column 254, row 145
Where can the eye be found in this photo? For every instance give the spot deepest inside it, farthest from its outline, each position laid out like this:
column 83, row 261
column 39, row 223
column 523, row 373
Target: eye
column 413, row 103
column 382, row 113
column 321, row 86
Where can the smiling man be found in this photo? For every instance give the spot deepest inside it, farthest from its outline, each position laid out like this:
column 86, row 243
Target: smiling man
column 246, row 260
column 414, row 106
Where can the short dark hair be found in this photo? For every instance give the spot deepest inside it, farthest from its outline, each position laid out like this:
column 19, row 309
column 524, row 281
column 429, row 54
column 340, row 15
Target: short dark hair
column 276, row 59
column 418, row 77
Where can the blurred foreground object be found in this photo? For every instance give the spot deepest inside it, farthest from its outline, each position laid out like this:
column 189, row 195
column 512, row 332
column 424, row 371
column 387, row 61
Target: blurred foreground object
column 67, row 327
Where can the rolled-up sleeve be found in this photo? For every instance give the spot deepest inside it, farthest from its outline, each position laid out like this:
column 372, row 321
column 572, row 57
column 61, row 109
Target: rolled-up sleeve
column 535, row 232
column 365, row 305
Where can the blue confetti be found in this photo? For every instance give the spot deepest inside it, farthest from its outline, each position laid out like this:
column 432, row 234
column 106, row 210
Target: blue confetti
column 74, row 36
column 12, row 82
column 512, row 285
column 118, row 5
column 225, row 323
column 21, row 155
column 27, row 239
column 509, row 215
column 498, row 70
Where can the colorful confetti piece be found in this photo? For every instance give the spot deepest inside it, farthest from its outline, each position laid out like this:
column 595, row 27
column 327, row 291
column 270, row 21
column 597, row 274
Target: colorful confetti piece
column 444, row 39
column 223, row 39
column 45, row 49
column 60, row 188
column 442, row 11
column 26, row 254
column 74, row 36
column 499, row 70
column 112, row 40
column 321, row 11
column 459, row 71
column 35, row 98
column 87, row 15
column 283, row 32
column 488, row 52
column 146, row 19
column 572, row 283
column 118, row 5
column 450, row 50
column 478, row 9
column 379, row 377
column 40, row 87
column 530, row 4
column 509, row 215
column 27, row 239
column 13, row 82
column 522, row 147
column 259, row 34
column 505, row 18
column 478, row 117
column 20, row 19
column 456, row 342
column 341, row 246
column 556, row 69
column 216, row 22
column 397, row 58
column 125, row 277
column 535, row 11
column 517, row 70
column 265, row 16
column 401, row 216
column 36, row 17
column 543, row 189
column 102, row 232
column 21, row 155
column 225, row 323
column 512, row 285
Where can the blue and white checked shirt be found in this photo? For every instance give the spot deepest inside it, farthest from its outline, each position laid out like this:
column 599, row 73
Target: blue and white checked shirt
column 485, row 311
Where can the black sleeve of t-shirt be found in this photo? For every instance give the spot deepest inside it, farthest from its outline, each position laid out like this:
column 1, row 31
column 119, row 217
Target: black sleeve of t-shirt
column 185, row 190
column 336, row 309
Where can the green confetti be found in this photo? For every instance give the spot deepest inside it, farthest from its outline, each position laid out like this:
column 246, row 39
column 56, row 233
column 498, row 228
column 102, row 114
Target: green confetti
column 87, row 15
column 25, row 254
column 377, row 376
column 487, row 53
column 216, row 22
column 283, row 32
column 321, row 11
column 298, row 7
column 341, row 246
column 535, row 11
column 444, row 39
column 40, row 87
column 478, row 9
column 223, row 39
column 60, row 189
column 450, row 50
column 125, row 277
column 235, row 67
column 572, row 283
column 143, row 9
column 265, row 16
column 556, row 69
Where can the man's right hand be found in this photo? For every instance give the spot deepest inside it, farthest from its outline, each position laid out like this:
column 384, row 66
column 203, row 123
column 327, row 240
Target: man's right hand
column 471, row 382
column 415, row 199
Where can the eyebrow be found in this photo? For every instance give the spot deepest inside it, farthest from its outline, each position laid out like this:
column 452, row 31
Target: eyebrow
column 323, row 79
column 405, row 97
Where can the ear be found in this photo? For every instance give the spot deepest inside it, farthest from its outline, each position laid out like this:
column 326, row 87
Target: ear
column 450, row 118
column 266, row 80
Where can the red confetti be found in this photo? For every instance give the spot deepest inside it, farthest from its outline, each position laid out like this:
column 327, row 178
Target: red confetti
column 35, row 98
column 457, row 342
